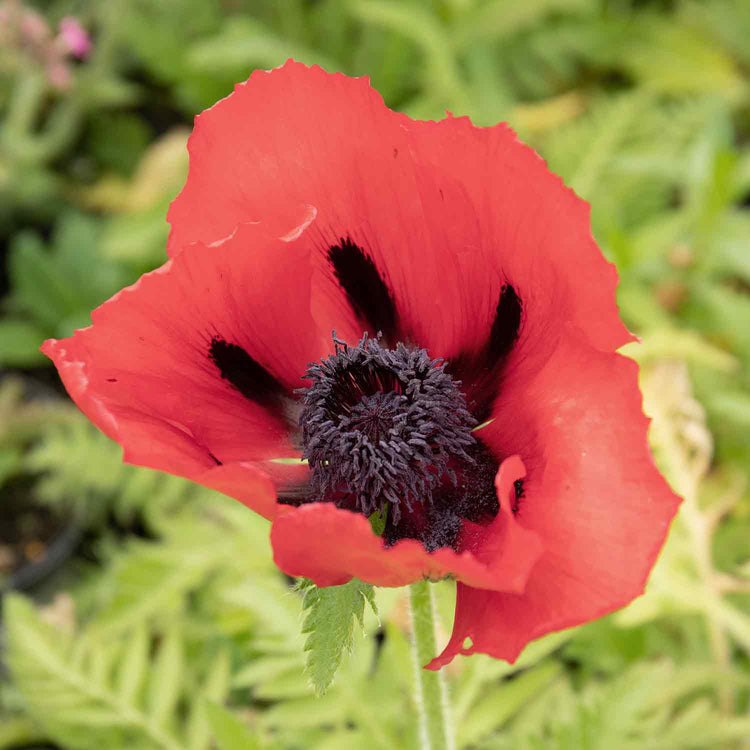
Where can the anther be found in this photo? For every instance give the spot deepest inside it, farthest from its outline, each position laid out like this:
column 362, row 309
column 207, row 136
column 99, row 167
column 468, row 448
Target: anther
column 381, row 426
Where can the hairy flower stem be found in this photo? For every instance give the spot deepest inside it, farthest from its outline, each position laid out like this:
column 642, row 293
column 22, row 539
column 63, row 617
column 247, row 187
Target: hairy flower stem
column 435, row 727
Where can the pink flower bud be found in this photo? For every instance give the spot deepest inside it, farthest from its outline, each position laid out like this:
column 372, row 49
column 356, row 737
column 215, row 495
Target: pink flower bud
column 75, row 38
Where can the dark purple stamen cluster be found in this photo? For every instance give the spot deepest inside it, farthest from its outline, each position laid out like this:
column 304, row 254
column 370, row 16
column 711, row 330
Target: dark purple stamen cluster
column 380, row 426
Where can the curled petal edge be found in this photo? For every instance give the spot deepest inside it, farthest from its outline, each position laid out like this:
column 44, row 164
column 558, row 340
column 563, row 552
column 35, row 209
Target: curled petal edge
column 154, row 444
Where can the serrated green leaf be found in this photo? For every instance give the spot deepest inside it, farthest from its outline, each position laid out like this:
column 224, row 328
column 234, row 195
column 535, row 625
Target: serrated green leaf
column 331, row 612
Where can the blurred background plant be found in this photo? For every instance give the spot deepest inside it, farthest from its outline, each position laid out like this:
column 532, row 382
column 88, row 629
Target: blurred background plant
column 153, row 616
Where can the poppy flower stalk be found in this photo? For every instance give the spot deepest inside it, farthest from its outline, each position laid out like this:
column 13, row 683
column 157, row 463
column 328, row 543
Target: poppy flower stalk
column 397, row 341
column 435, row 720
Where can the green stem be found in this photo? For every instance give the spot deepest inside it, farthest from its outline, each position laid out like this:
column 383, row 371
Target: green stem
column 23, row 107
column 435, row 729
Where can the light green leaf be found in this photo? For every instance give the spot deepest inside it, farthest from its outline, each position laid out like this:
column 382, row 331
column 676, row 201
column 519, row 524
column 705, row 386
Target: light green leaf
column 304, row 713
column 243, row 43
column 215, row 688
column 166, row 678
column 20, row 342
column 290, row 684
column 262, row 670
column 229, row 731
column 502, row 700
column 57, row 684
column 378, row 520
column 133, row 669
column 674, row 343
column 427, row 32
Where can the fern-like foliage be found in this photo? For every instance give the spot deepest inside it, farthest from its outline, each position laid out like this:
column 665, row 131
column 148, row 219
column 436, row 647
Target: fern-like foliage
column 635, row 711
column 81, row 466
column 90, row 693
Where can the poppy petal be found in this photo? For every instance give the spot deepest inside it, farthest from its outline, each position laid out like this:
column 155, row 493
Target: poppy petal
column 244, row 481
column 310, row 207
column 485, row 205
column 193, row 365
column 505, row 545
column 592, row 494
column 330, row 546
column 530, row 228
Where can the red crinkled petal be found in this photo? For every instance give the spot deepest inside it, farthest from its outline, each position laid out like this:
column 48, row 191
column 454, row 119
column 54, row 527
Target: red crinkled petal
column 151, row 442
column 429, row 201
column 290, row 163
column 505, row 545
column 330, row 546
column 592, row 494
column 142, row 372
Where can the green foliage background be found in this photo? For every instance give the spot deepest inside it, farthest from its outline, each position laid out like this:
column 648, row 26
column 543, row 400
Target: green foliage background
column 174, row 630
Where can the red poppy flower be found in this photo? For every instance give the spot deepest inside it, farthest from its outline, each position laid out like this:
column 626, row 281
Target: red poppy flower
column 471, row 393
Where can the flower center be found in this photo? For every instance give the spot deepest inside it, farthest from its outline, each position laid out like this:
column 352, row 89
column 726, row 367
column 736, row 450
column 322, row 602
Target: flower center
column 381, row 427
